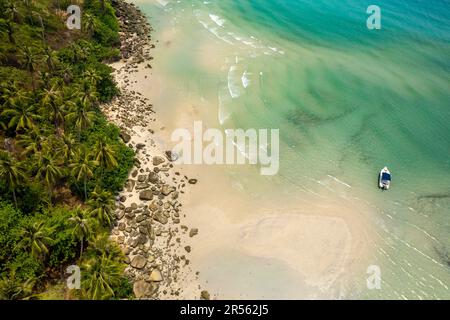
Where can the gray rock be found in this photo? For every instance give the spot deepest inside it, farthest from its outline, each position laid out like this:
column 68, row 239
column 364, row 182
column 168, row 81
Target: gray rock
column 146, row 195
column 161, row 218
column 153, row 177
column 166, row 190
column 155, row 276
column 138, row 262
column 158, row 160
column 125, row 137
column 193, row 232
column 142, row 289
column 204, row 295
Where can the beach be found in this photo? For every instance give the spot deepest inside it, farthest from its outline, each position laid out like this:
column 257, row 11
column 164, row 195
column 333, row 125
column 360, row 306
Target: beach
column 314, row 229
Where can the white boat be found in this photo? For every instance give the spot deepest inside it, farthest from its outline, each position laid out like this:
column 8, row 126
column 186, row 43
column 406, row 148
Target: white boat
column 384, row 180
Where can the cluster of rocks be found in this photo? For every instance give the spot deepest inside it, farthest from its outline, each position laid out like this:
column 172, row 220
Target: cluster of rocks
column 148, row 224
column 134, row 31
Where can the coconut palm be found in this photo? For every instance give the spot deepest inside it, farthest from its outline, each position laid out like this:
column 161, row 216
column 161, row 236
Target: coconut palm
column 88, row 92
column 12, row 289
column 50, row 57
column 51, row 103
column 105, row 154
column 81, row 115
column 81, row 226
column 35, row 239
column 92, row 76
column 90, row 23
column 21, row 115
column 8, row 27
column 12, row 11
column 101, row 244
column 67, row 149
column 30, row 61
column 48, row 168
column 82, row 167
column 102, row 206
column 99, row 276
column 12, row 173
column 31, row 141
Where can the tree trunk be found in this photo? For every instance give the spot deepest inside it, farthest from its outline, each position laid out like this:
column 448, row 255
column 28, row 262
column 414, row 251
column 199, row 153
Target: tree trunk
column 14, row 196
column 85, row 191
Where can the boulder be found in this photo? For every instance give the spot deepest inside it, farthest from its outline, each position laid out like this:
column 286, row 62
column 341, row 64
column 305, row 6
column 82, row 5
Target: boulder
column 138, row 262
column 146, row 195
column 142, row 289
column 193, row 232
column 155, row 276
column 204, row 295
column 166, row 190
column 158, row 160
column 125, row 137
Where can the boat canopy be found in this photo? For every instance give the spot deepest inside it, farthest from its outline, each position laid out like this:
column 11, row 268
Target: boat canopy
column 386, row 176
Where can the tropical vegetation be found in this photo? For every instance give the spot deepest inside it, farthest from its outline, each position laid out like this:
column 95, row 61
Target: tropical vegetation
column 61, row 162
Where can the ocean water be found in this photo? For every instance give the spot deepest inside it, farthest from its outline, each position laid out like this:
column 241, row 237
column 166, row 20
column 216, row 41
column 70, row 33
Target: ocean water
column 347, row 100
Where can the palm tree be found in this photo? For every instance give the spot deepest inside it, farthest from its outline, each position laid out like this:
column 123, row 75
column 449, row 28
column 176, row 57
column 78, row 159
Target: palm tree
column 90, row 23
column 88, row 92
column 12, row 289
column 104, row 154
column 51, row 102
column 81, row 115
column 12, row 173
column 12, row 11
column 30, row 61
column 81, row 226
column 22, row 115
column 82, row 167
column 8, row 26
column 100, row 275
column 50, row 57
column 35, row 239
column 31, row 141
column 101, row 244
column 102, row 206
column 92, row 77
column 48, row 169
column 67, row 149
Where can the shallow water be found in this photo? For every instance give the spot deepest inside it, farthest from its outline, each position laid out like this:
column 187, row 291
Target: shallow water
column 347, row 101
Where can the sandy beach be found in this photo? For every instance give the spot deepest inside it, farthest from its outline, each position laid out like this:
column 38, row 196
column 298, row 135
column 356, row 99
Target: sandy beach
column 313, row 243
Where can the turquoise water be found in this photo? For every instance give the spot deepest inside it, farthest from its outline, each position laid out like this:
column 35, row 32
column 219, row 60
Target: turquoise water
column 347, row 100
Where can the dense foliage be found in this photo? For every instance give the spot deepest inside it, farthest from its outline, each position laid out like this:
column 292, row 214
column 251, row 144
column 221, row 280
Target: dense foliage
column 61, row 162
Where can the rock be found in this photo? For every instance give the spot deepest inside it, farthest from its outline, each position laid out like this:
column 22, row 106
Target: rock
column 133, row 206
column 123, row 199
column 192, row 181
column 122, row 226
column 187, row 248
column 125, row 137
column 142, row 289
column 142, row 178
column 120, row 214
column 141, row 186
column 204, row 295
column 161, row 218
column 171, row 156
column 155, row 276
column 193, row 232
column 166, row 190
column 146, row 195
column 153, row 177
column 138, row 262
column 140, row 146
column 153, row 206
column 158, row 160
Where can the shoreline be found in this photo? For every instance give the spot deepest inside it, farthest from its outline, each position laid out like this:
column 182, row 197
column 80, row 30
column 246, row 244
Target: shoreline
column 149, row 226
